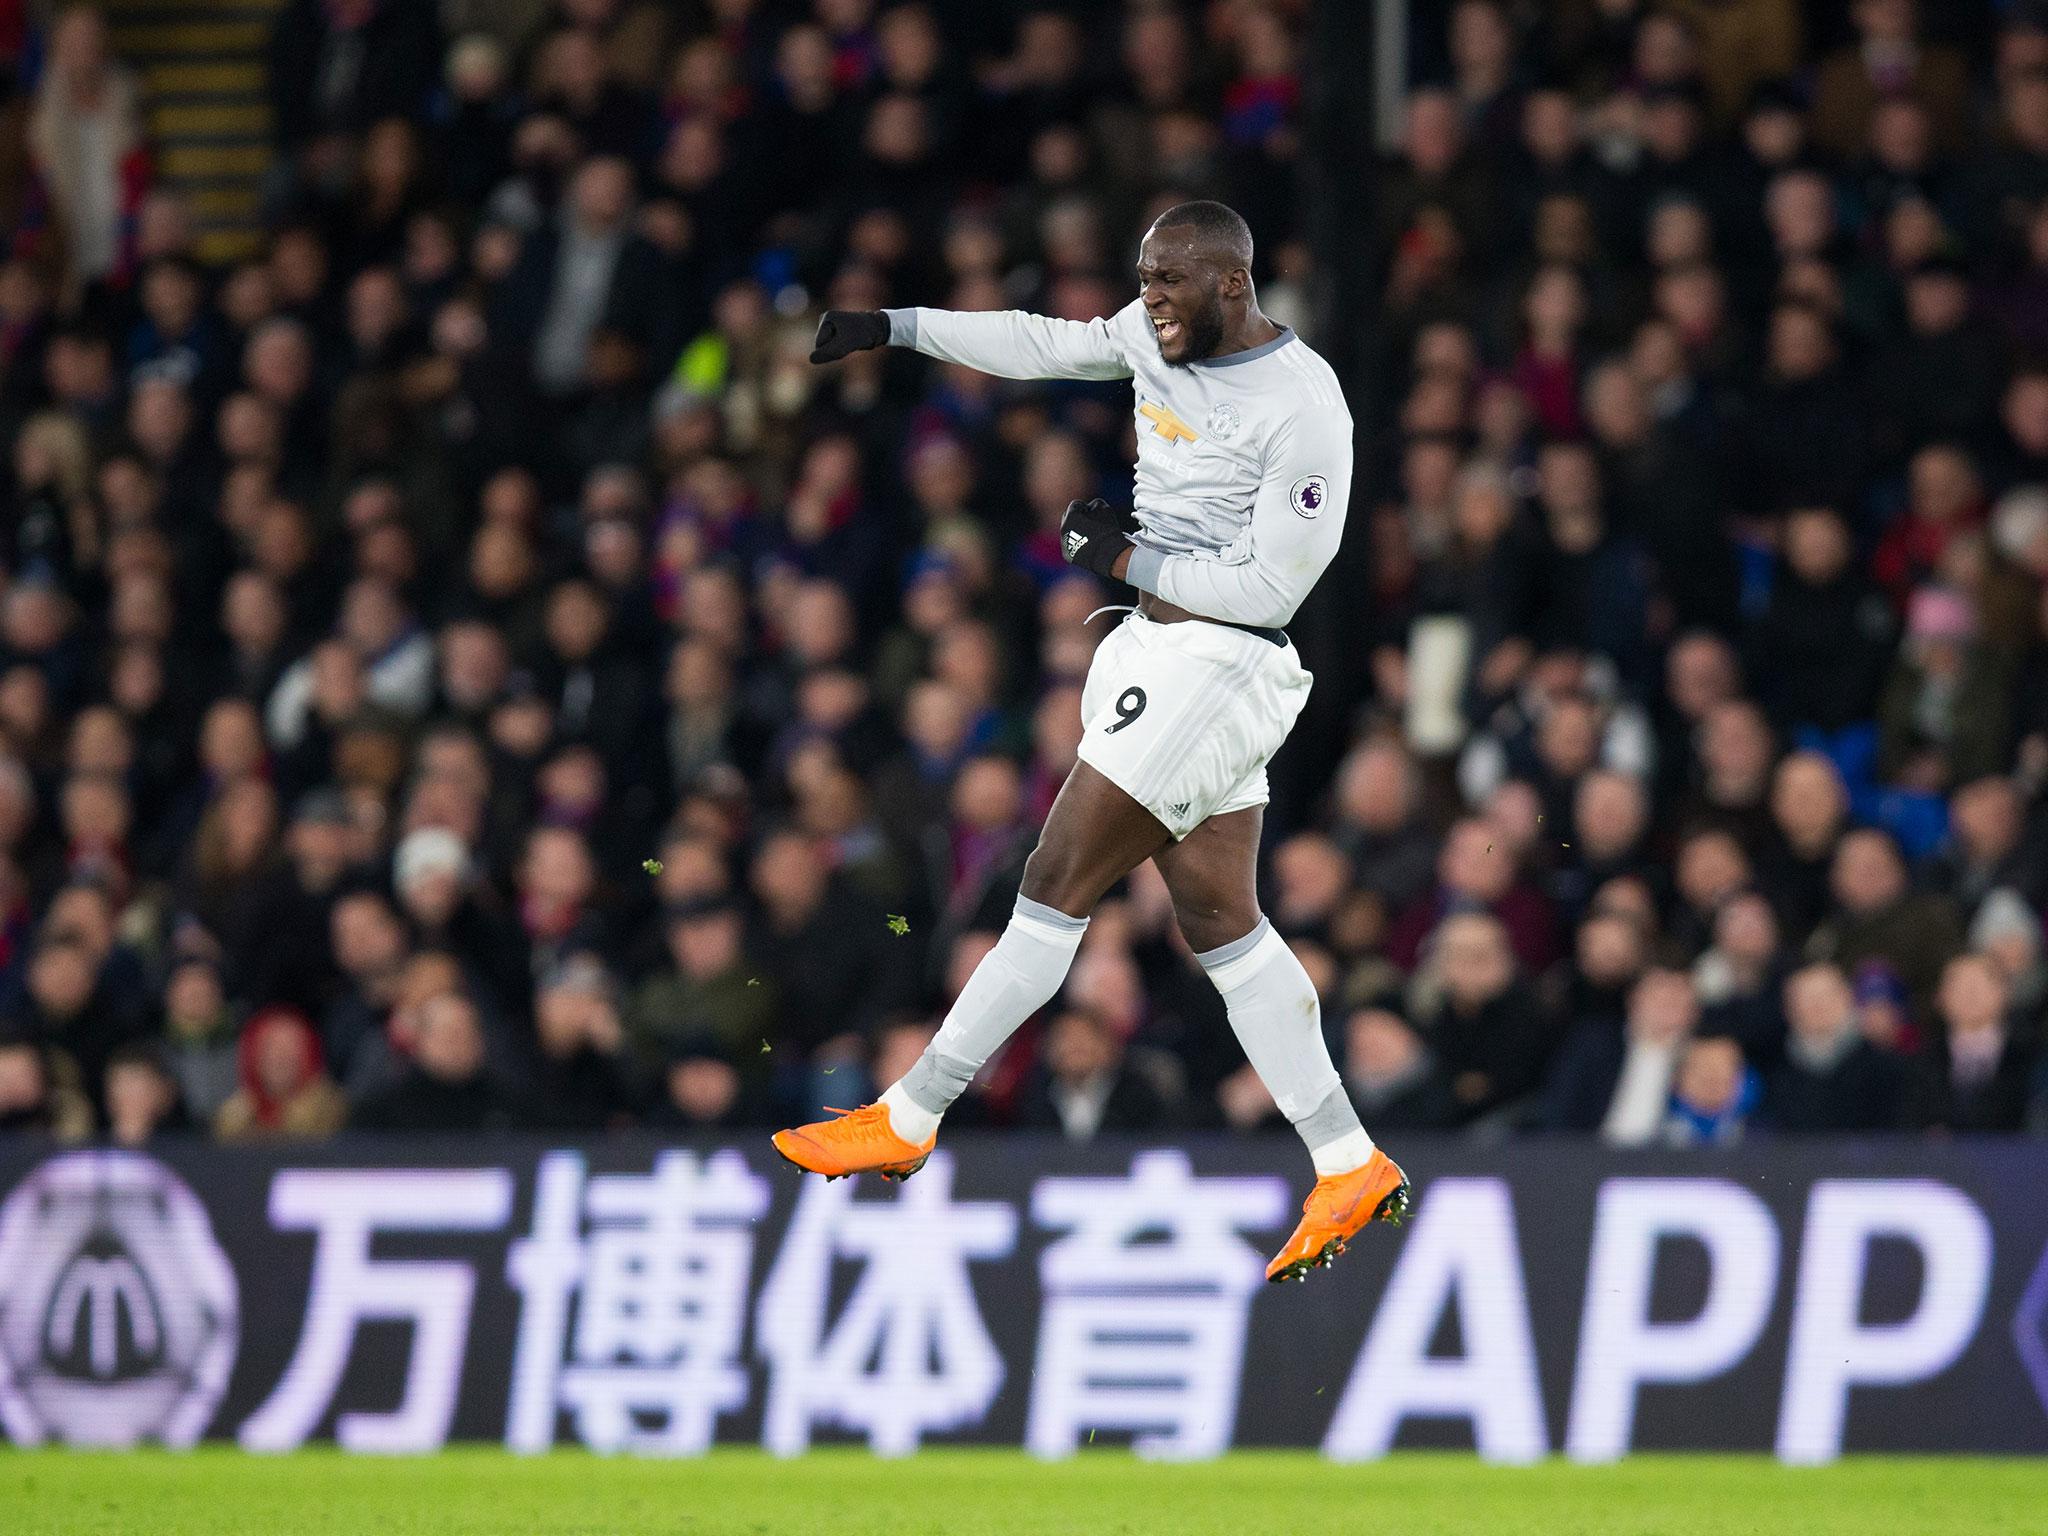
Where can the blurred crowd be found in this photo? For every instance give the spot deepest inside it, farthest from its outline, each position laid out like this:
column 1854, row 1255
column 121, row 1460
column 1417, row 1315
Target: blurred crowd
column 462, row 669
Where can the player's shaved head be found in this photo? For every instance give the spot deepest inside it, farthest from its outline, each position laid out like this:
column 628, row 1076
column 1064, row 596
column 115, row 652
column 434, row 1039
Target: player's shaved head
column 1194, row 274
column 1218, row 232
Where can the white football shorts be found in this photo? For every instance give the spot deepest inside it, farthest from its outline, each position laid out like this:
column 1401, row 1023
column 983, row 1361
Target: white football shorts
column 1184, row 717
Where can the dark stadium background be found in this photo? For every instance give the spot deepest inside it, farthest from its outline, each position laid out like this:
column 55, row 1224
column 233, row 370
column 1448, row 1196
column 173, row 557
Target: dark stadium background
column 460, row 667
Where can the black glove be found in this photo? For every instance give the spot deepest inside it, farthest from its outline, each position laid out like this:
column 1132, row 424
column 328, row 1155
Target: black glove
column 849, row 330
column 1093, row 534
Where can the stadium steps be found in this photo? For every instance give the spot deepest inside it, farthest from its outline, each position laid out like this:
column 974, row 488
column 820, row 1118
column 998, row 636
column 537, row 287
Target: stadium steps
column 203, row 69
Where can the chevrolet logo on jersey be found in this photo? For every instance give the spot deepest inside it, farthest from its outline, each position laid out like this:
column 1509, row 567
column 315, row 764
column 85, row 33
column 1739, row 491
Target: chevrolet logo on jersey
column 1166, row 424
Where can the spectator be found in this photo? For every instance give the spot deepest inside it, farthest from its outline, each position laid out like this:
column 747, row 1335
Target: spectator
column 1809, row 807
column 1392, row 1077
column 1740, row 976
column 1944, row 505
column 1594, row 583
column 585, row 1077
column 1475, row 872
column 69, row 1006
column 1741, row 46
column 1877, row 916
column 1943, row 711
column 285, row 1091
column 709, row 993
column 335, row 69
column 1714, row 1096
column 473, row 670
column 1663, row 1012
column 276, row 932
column 1976, row 1077
column 1378, row 826
column 1700, row 671
column 1610, row 953
column 371, row 949
column 234, row 851
column 1245, row 1105
column 143, row 1103
column 85, row 141
column 589, row 272
column 434, row 879
column 54, row 537
column 820, row 948
column 598, row 695
column 1311, row 877
column 2007, row 932
column 32, row 1101
column 449, row 1086
column 1610, row 823
column 1712, row 869
column 558, row 898
column 1988, row 847
column 701, row 1089
column 1939, row 381
column 1804, row 443
column 1832, row 1078
column 704, row 727
column 1085, row 1086
column 381, row 651
column 1889, row 58
column 1820, row 649
column 1735, row 753
column 1484, row 1028
column 199, row 1038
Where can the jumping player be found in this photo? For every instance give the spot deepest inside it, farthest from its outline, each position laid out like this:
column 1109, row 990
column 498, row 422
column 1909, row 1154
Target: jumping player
column 1243, row 477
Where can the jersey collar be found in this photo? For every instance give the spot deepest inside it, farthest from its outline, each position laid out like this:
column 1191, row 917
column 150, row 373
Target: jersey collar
column 1250, row 354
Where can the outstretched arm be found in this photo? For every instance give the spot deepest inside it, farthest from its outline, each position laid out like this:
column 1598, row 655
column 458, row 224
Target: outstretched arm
column 1008, row 343
column 1297, row 524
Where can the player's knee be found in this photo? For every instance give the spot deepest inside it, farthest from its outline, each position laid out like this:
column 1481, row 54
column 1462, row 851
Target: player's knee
column 1211, row 925
column 1214, row 907
column 1060, row 880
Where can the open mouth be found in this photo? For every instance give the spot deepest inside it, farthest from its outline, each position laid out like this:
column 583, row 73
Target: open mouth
column 1168, row 331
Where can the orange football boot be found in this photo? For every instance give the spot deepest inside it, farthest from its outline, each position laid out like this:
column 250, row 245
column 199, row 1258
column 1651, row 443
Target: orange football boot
column 1336, row 1209
column 859, row 1141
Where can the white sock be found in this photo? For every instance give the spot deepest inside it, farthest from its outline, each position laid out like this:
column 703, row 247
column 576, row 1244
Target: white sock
column 1349, row 1151
column 908, row 1118
column 1014, row 980
column 1278, row 1020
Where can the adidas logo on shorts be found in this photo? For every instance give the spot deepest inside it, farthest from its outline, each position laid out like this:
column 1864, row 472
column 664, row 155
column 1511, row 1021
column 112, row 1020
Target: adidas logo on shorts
column 1180, row 809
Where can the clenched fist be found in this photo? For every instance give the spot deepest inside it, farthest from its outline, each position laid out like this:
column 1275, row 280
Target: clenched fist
column 1093, row 534
column 843, row 331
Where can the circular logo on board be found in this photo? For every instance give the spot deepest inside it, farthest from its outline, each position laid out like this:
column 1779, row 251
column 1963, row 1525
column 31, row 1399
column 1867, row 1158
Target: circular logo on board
column 1309, row 494
column 120, row 1315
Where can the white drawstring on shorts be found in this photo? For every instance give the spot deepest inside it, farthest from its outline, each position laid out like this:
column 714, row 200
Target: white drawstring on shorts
column 1110, row 608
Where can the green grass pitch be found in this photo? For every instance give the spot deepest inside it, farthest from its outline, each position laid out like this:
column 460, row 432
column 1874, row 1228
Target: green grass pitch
column 475, row 1492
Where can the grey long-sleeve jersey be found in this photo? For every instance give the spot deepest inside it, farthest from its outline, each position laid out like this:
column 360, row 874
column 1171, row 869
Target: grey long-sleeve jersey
column 1244, row 462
